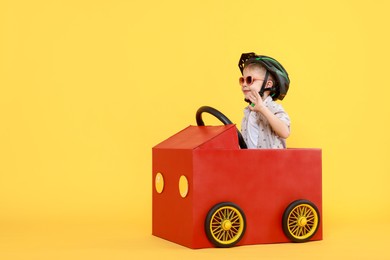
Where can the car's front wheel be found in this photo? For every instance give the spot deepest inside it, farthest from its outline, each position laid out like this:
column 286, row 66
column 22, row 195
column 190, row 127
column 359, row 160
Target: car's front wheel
column 225, row 224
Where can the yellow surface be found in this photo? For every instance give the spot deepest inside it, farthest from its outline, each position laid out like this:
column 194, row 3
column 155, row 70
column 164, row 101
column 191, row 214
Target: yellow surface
column 159, row 182
column 183, row 186
column 87, row 88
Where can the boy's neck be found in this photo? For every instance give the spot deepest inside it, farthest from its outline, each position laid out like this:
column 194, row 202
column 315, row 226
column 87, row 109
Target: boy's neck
column 265, row 95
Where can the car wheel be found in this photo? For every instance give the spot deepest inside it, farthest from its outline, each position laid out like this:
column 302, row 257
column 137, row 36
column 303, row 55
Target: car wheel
column 301, row 220
column 225, row 224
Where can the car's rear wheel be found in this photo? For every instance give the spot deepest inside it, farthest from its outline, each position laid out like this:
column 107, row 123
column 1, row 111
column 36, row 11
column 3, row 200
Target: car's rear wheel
column 301, row 220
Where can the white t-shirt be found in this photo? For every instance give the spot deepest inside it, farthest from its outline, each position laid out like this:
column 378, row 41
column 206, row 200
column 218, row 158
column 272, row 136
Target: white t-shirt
column 256, row 130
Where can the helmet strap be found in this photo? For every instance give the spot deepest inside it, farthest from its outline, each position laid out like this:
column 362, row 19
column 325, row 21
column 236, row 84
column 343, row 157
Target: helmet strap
column 262, row 89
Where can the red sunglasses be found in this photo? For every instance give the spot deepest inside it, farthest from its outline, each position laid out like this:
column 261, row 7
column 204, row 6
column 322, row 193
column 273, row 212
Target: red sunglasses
column 248, row 80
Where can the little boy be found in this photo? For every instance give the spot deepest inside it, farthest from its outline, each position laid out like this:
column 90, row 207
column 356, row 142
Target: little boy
column 265, row 123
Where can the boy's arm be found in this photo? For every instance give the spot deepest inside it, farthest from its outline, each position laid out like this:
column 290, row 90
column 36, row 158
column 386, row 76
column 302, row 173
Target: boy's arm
column 279, row 127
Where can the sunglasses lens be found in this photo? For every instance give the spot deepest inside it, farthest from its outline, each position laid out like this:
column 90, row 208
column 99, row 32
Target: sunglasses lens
column 241, row 80
column 248, row 80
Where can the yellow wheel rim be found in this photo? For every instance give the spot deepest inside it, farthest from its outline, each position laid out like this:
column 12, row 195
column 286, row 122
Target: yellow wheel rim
column 226, row 225
column 302, row 221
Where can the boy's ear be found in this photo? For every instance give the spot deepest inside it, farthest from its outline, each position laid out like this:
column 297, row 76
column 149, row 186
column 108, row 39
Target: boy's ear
column 269, row 84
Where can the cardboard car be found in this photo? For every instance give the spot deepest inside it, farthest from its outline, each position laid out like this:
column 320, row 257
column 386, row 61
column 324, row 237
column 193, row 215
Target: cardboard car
column 208, row 192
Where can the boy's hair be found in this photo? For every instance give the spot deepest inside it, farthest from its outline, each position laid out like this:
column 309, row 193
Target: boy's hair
column 262, row 68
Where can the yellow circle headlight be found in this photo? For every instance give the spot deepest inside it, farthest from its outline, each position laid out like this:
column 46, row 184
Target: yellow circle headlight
column 159, row 183
column 183, row 186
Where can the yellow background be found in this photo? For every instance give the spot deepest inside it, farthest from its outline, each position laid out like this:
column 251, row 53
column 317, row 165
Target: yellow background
column 87, row 88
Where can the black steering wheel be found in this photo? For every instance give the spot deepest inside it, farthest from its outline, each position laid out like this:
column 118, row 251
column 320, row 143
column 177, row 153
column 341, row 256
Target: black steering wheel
column 221, row 117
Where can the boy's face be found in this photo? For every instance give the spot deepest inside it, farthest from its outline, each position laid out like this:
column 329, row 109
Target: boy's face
column 254, row 83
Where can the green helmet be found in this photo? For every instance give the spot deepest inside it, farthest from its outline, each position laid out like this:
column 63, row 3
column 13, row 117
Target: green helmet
column 280, row 88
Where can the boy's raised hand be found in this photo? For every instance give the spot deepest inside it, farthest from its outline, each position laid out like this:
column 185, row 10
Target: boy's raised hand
column 257, row 102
